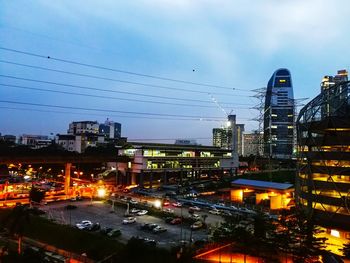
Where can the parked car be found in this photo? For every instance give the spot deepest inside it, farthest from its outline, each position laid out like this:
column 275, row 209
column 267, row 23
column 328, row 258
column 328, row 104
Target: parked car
column 142, row 212
column 134, row 210
column 94, row 227
column 176, row 221
column 194, row 208
column 197, row 225
column 168, row 210
column 177, row 204
column 214, row 212
column 147, row 240
column 226, row 213
column 114, row 233
column 134, row 202
column 195, row 216
column 129, row 220
column 148, row 226
column 159, row 229
column 106, row 230
column 168, row 219
column 84, row 224
column 233, row 207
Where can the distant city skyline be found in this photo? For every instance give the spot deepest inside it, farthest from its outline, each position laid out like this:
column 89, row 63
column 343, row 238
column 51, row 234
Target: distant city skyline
column 180, row 45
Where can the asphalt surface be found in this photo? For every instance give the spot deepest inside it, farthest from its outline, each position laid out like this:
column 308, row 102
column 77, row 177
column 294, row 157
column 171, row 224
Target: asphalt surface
column 100, row 212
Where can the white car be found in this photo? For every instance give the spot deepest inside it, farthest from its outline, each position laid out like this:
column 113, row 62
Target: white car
column 134, row 202
column 214, row 212
column 168, row 210
column 177, row 204
column 84, row 224
column 134, row 210
column 129, row 220
column 142, row 212
column 159, row 229
column 197, row 225
column 195, row 216
column 233, row 207
column 194, row 208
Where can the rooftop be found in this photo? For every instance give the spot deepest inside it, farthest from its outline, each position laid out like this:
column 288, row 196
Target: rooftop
column 262, row 185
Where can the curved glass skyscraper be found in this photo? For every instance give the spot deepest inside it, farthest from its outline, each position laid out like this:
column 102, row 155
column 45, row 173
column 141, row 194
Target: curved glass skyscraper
column 279, row 116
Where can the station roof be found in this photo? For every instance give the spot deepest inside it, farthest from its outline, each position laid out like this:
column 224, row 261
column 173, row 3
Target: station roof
column 262, row 185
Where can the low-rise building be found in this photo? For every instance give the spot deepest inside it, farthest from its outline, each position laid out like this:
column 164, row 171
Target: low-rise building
column 275, row 195
column 35, row 141
column 154, row 163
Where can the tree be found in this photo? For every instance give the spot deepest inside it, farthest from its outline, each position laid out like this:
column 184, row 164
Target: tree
column 36, row 195
column 16, row 223
column 346, row 249
column 296, row 235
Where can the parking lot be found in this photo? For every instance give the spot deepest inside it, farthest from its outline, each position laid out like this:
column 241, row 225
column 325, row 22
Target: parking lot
column 98, row 211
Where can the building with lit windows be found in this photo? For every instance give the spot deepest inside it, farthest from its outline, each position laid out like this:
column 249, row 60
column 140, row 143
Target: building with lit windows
column 252, row 144
column 222, row 138
column 83, row 127
column 111, row 129
column 279, row 116
column 157, row 164
column 323, row 180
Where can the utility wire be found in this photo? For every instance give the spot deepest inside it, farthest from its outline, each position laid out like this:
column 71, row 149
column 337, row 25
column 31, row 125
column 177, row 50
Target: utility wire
column 113, row 91
column 113, row 79
column 107, row 97
column 105, row 110
column 104, row 115
column 119, row 70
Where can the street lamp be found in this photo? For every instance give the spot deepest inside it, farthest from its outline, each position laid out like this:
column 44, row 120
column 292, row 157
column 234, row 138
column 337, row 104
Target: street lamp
column 158, row 204
column 101, row 192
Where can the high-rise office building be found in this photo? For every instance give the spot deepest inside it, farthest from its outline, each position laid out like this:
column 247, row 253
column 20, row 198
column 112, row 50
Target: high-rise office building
column 279, row 116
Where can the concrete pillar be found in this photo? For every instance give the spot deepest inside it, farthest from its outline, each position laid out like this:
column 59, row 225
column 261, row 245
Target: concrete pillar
column 141, row 179
column 67, row 178
column 133, row 178
column 151, row 180
column 165, row 177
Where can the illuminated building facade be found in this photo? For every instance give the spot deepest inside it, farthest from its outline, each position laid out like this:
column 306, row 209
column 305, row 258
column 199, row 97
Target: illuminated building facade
column 323, row 180
column 154, row 163
column 279, row 116
column 252, row 144
column 222, row 138
column 275, row 195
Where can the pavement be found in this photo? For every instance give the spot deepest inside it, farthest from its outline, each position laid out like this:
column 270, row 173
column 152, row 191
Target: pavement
column 98, row 211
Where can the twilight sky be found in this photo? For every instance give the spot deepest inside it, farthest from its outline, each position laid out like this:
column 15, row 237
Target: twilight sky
column 233, row 45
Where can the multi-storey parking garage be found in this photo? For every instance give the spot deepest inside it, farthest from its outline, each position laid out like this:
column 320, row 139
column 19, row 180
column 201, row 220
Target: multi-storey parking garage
column 323, row 181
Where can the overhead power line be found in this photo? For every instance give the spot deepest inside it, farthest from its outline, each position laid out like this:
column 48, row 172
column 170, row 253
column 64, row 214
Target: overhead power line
column 168, row 139
column 113, row 91
column 113, row 79
column 119, row 70
column 109, row 115
column 106, row 97
column 106, row 110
